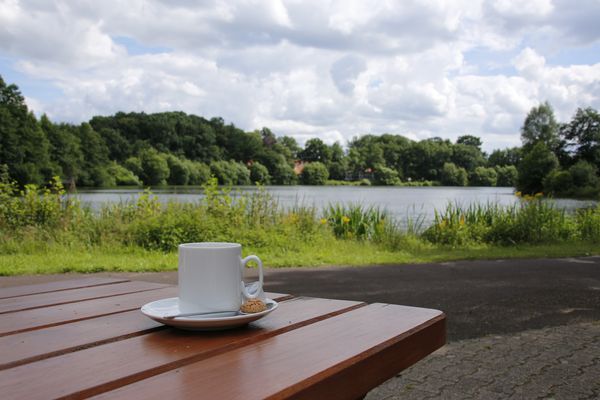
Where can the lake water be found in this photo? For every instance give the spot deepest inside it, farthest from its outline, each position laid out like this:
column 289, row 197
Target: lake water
column 416, row 203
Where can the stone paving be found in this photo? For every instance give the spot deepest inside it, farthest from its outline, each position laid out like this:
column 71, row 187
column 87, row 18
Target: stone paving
column 561, row 362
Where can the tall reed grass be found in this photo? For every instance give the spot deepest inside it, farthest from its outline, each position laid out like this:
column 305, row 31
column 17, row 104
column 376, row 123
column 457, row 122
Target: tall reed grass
column 33, row 219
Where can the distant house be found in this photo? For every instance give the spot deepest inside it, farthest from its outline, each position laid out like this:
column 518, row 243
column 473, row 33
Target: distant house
column 299, row 166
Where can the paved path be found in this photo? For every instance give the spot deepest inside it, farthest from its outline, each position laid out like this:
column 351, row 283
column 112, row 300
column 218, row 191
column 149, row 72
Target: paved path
column 560, row 362
column 517, row 329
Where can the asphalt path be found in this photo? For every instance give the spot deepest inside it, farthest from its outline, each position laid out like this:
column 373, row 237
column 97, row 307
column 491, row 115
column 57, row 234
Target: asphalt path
column 479, row 297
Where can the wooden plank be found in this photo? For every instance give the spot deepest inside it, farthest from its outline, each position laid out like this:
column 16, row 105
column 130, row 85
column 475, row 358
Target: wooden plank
column 94, row 370
column 38, row 344
column 338, row 358
column 12, row 323
column 37, row 318
column 35, row 345
column 25, row 290
column 14, row 304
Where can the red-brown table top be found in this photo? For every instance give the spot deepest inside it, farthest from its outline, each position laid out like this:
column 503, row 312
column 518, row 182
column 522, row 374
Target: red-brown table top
column 87, row 337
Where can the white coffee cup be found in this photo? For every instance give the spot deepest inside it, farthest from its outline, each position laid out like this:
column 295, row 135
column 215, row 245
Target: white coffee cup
column 211, row 277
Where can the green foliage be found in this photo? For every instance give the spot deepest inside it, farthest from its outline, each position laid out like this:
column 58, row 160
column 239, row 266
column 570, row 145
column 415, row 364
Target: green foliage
column 259, row 173
column 466, row 156
column 134, row 164
column 316, row 151
column 582, row 134
column 314, row 173
column 338, row 169
column 506, row 175
column 453, row 176
column 469, row 140
column 540, row 126
column 584, row 174
column 354, row 221
column 533, row 221
column 588, row 222
column 179, row 172
column 483, row 176
column 385, row 176
column 534, row 167
column 155, row 169
column 122, row 175
column 45, row 227
column 176, row 148
column 505, row 157
column 35, row 207
column 580, row 180
column 199, row 172
column 24, row 147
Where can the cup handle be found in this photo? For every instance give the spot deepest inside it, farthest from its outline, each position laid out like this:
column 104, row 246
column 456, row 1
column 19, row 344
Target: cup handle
column 260, row 277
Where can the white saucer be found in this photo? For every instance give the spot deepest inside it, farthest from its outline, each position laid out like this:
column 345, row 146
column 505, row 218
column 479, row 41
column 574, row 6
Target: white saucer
column 157, row 310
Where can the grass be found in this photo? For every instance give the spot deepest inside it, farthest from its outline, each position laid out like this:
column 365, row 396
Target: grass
column 43, row 232
column 57, row 259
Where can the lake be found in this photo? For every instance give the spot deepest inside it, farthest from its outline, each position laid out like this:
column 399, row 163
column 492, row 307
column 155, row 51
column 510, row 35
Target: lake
column 416, row 203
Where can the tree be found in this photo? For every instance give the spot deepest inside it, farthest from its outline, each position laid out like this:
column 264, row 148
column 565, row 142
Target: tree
column 507, row 175
column 259, row 173
column 469, row 140
column 558, row 182
column 511, row 156
column 540, row 126
column 385, row 176
column 24, row 147
column 584, row 174
column 314, row 173
column 582, row 135
column 122, row 175
column 483, row 176
column 316, row 150
column 179, row 173
column 199, row 172
column 283, row 173
column 467, row 156
column 95, row 158
column 155, row 169
column 338, row 169
column 534, row 167
column 451, row 175
column 65, row 149
column 290, row 144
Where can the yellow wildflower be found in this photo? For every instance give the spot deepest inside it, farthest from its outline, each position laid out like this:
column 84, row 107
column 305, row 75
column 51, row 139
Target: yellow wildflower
column 462, row 219
column 345, row 219
column 323, row 221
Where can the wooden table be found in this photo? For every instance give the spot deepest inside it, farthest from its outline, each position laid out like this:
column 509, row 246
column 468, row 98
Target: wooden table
column 87, row 337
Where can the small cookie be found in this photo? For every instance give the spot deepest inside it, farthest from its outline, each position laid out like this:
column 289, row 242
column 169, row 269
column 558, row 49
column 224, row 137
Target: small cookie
column 253, row 306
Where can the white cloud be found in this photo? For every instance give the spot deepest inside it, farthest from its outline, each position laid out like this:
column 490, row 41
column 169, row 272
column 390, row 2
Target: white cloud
column 333, row 69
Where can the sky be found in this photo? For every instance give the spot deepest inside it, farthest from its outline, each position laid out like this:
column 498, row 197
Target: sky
column 303, row 68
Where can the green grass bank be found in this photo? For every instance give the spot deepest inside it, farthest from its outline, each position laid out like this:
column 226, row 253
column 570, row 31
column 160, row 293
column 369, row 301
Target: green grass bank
column 42, row 231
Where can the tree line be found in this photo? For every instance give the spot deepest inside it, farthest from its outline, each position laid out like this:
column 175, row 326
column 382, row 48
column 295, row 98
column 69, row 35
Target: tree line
column 181, row 149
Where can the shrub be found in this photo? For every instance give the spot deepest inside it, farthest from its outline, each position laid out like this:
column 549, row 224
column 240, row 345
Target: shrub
column 259, row 173
column 507, row 175
column 451, row 175
column 483, row 176
column 385, row 176
column 179, row 172
column 155, row 169
column 123, row 176
column 314, row 173
column 199, row 172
